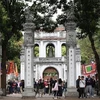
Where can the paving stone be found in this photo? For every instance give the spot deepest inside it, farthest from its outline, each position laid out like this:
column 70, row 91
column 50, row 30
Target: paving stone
column 45, row 97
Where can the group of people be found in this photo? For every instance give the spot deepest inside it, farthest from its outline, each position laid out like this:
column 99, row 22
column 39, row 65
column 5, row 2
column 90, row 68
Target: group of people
column 55, row 87
column 15, row 86
column 87, row 86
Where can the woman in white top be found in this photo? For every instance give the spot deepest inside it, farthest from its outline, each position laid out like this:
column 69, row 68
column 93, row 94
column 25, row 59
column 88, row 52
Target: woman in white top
column 82, row 87
column 55, row 89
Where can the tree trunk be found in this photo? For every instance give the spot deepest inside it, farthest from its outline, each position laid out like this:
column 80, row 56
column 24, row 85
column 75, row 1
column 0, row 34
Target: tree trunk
column 3, row 65
column 97, row 58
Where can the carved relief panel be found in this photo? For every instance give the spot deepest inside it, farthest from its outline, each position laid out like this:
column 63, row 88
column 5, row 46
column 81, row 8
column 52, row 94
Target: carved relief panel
column 28, row 38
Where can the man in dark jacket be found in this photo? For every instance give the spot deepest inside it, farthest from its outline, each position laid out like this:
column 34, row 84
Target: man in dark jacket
column 41, row 87
column 77, row 85
column 89, row 82
column 93, row 86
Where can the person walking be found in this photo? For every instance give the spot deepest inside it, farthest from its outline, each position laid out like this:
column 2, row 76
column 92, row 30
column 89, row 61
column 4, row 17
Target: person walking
column 41, row 87
column 55, row 89
column 60, row 90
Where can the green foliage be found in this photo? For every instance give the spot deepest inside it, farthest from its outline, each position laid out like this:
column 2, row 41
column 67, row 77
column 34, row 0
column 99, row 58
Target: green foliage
column 15, row 18
column 86, row 13
column 14, row 48
column 87, row 18
column 65, row 8
column 36, row 51
column 63, row 49
column 86, row 51
column 3, row 17
column 11, row 23
column 17, row 61
column 42, row 13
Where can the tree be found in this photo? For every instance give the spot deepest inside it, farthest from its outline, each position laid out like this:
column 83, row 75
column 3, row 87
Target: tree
column 86, row 51
column 42, row 15
column 87, row 13
column 14, row 48
column 9, row 26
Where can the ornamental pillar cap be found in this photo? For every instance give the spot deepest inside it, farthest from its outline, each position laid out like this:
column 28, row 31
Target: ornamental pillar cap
column 22, row 50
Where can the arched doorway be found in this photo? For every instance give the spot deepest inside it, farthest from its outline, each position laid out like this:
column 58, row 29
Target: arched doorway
column 63, row 49
column 36, row 50
column 50, row 72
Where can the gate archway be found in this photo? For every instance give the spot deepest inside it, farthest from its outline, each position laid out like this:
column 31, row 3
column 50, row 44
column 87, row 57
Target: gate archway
column 50, row 72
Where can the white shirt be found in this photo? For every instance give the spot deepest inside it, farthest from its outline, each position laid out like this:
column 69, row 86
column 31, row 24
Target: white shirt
column 82, row 83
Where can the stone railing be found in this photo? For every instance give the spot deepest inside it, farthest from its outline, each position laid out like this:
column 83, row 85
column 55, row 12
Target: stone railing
column 61, row 34
column 57, row 59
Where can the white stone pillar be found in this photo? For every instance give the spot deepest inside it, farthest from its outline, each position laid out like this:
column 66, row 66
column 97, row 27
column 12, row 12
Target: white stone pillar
column 78, row 69
column 78, row 62
column 29, row 62
column 44, row 49
column 70, row 28
column 22, row 67
column 28, row 67
column 41, row 49
column 72, row 69
column 58, row 49
column 36, row 73
column 22, row 74
column 65, row 72
column 71, row 76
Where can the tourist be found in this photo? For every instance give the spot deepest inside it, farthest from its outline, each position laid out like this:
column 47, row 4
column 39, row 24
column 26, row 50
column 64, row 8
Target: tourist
column 64, row 87
column 10, row 83
column 82, row 87
column 14, row 86
column 36, row 87
column 60, row 90
column 93, row 86
column 51, row 85
column 41, row 87
column 88, row 86
column 22, row 86
column 97, row 87
column 55, row 89
column 18, row 86
column 46, row 87
column 77, row 85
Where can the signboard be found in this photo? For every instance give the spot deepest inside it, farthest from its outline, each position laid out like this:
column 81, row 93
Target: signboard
column 89, row 69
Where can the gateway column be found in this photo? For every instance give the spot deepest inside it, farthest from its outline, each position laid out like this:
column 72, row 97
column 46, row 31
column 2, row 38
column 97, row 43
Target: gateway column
column 28, row 45
column 70, row 27
column 78, row 62
column 22, row 65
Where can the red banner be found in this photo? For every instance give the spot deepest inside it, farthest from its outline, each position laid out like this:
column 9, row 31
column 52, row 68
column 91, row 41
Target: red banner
column 89, row 69
column 12, row 68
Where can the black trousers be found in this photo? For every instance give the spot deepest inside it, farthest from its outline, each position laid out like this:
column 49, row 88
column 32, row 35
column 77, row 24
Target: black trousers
column 81, row 92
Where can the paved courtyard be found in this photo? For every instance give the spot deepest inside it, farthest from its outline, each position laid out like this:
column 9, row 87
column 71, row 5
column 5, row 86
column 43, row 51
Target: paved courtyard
column 45, row 97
